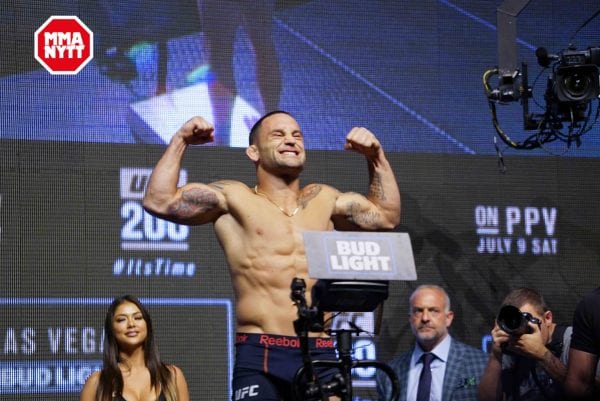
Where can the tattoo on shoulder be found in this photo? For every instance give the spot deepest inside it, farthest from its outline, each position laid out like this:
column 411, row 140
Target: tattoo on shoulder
column 195, row 201
column 309, row 195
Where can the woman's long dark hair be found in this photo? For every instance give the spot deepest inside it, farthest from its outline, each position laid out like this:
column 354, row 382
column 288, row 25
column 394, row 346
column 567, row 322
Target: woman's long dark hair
column 111, row 380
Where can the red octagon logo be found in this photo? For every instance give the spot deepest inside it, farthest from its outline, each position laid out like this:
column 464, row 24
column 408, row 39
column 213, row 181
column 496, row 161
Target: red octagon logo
column 63, row 45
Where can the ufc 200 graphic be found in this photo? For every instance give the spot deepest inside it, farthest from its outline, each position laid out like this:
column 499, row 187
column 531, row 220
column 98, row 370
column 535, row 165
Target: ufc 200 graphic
column 143, row 234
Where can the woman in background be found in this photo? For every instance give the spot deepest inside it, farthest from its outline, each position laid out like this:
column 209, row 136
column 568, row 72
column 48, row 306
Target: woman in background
column 132, row 369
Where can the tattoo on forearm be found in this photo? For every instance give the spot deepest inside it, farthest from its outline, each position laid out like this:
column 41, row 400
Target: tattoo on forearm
column 376, row 187
column 310, row 195
column 363, row 218
column 194, row 201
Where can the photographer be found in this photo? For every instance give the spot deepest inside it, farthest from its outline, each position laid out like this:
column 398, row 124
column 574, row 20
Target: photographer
column 529, row 352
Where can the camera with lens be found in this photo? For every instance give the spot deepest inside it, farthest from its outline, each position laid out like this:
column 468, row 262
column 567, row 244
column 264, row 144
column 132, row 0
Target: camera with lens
column 575, row 78
column 514, row 322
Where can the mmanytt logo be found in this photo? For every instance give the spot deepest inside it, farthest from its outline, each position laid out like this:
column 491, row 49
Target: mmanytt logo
column 63, row 45
column 516, row 230
column 140, row 231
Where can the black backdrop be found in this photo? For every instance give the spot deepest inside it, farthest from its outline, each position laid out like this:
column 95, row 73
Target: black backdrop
column 66, row 208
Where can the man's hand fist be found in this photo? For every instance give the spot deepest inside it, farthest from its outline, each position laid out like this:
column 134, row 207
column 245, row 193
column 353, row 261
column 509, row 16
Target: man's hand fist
column 197, row 131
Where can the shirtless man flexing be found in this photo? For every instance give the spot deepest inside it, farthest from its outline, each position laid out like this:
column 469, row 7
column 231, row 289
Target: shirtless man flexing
column 260, row 230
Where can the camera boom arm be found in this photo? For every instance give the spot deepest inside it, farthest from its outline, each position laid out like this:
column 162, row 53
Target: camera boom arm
column 572, row 88
column 506, row 19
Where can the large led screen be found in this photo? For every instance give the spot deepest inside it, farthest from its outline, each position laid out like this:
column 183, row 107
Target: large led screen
column 411, row 71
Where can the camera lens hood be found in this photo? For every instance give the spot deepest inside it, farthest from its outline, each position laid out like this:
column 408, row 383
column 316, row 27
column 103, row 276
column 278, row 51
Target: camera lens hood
column 511, row 320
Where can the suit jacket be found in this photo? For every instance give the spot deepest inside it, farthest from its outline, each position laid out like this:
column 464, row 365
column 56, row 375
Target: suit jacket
column 464, row 368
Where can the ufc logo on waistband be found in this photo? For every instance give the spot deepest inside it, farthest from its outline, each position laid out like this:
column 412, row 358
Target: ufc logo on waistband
column 248, row 391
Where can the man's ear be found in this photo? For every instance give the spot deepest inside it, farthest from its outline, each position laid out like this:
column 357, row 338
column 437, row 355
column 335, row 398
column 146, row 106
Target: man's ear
column 252, row 153
column 449, row 318
column 548, row 316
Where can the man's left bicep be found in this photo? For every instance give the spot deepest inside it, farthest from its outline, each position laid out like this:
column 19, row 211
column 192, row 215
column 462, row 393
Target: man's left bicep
column 358, row 210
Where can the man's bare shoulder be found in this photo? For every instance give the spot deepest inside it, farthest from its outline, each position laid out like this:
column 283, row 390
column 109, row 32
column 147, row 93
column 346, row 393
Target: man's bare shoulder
column 323, row 190
column 320, row 195
column 319, row 189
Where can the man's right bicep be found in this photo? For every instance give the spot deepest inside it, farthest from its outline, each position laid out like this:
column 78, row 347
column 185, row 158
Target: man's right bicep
column 196, row 204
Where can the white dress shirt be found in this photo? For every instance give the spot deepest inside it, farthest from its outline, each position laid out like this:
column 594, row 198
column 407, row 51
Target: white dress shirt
column 438, row 368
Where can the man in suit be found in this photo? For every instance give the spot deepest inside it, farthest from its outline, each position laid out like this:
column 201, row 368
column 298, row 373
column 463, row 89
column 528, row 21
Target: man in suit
column 438, row 367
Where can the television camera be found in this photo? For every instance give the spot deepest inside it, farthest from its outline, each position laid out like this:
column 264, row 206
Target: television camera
column 572, row 92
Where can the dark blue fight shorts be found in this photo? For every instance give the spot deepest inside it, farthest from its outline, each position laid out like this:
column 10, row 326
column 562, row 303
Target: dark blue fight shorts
column 265, row 365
